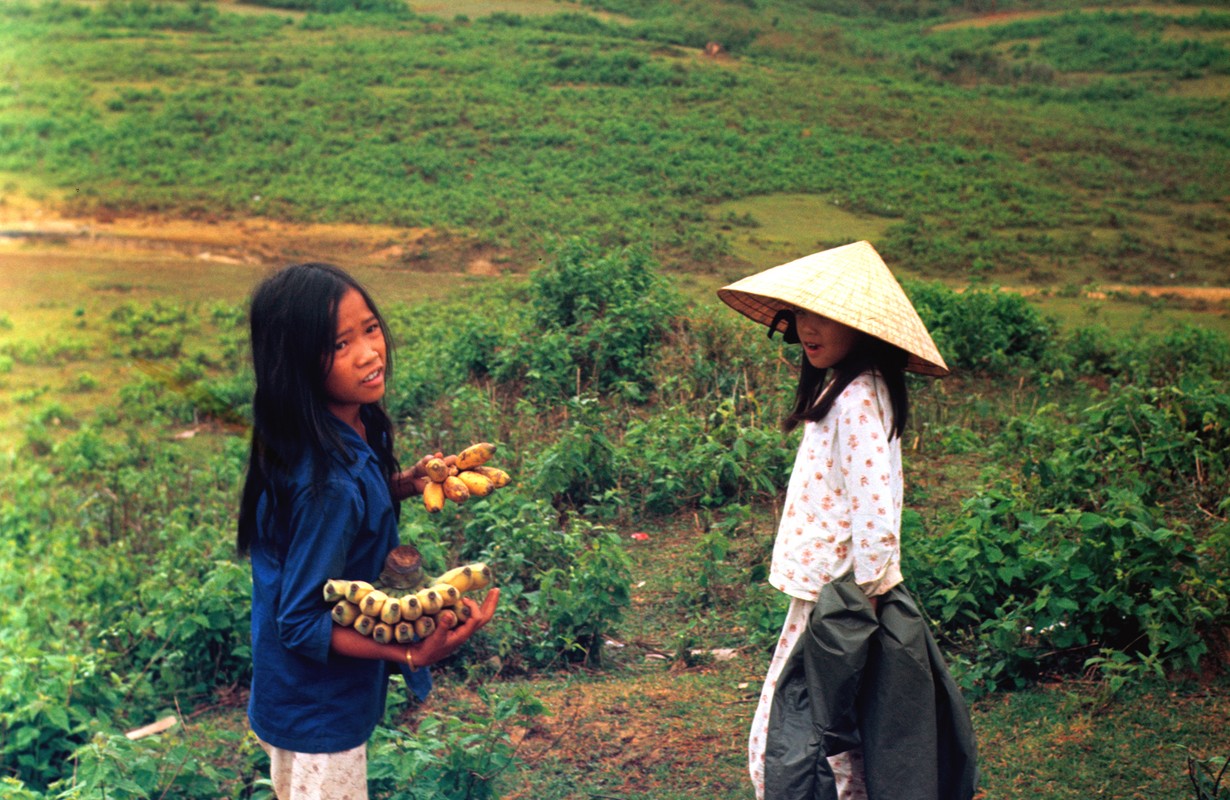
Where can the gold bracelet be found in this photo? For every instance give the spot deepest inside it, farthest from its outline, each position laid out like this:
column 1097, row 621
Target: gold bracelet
column 409, row 659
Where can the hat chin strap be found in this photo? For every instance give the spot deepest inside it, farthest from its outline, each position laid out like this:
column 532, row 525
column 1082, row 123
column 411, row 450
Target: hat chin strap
column 790, row 335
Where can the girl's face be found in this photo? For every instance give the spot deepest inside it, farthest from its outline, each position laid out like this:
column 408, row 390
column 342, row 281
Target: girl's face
column 356, row 376
column 825, row 341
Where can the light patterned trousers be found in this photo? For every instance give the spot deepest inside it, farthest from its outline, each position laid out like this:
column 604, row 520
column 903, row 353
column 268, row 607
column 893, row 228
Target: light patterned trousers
column 847, row 767
column 318, row 776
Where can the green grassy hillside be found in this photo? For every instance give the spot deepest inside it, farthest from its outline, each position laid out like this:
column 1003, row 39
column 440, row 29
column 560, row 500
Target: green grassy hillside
column 543, row 197
column 1048, row 149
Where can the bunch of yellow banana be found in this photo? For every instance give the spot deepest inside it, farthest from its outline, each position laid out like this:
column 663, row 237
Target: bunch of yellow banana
column 468, row 476
column 397, row 613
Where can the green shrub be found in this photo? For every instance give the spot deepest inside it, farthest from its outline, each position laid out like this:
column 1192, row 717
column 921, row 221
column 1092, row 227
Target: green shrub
column 156, row 331
column 562, row 588
column 227, row 398
column 111, row 765
column 982, row 330
column 580, row 464
column 583, row 602
column 49, row 703
column 592, row 323
column 462, row 755
column 1033, row 593
column 1166, row 443
column 676, row 458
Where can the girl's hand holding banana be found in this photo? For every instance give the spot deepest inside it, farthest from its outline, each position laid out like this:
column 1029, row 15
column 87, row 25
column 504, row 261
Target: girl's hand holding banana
column 404, row 604
column 445, row 641
column 459, row 477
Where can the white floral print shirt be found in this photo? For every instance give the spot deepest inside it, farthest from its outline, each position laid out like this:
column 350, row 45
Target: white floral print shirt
column 843, row 504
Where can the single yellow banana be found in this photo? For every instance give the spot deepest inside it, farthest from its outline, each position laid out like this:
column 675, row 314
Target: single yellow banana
column 433, row 497
column 382, row 633
column 364, row 624
column 345, row 613
column 358, row 590
column 498, row 477
column 475, row 455
column 455, row 489
column 390, row 614
column 479, row 485
column 404, row 632
column 459, row 577
column 430, row 600
column 481, row 576
column 411, row 608
column 449, row 593
column 424, row 626
column 436, row 469
column 373, row 603
column 335, row 590
column 461, row 610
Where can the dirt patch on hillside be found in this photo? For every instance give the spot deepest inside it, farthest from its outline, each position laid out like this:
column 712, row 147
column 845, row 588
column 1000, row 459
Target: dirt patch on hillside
column 259, row 241
column 1005, row 17
column 1212, row 296
column 253, row 241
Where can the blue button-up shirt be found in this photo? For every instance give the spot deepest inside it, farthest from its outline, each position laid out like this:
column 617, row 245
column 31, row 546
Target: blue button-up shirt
column 304, row 697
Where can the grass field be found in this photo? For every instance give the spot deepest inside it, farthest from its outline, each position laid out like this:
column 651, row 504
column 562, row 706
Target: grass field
column 161, row 157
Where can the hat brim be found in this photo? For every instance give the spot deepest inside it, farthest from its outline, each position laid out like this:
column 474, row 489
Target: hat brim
column 849, row 284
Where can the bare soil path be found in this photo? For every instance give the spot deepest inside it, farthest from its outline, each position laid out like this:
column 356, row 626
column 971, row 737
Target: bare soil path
column 31, row 229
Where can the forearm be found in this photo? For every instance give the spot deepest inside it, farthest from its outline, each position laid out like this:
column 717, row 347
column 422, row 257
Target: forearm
column 349, row 642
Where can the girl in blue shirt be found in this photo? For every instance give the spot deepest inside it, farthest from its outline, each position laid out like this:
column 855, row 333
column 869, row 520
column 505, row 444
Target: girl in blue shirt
column 321, row 500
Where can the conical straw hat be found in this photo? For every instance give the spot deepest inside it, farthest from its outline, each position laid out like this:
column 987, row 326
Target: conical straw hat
column 850, row 284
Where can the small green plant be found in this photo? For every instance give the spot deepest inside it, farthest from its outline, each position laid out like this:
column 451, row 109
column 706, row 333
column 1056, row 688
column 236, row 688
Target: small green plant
column 1206, row 776
column 111, row 765
column 713, row 573
column 84, row 382
column 460, row 756
column 583, row 602
column 581, row 463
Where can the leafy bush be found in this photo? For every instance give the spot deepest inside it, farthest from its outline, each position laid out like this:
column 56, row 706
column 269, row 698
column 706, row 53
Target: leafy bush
column 563, row 588
column 119, row 605
column 1145, row 358
column 461, row 756
column 1041, row 592
column 155, row 331
column 592, row 322
column 677, row 458
column 982, row 330
column 1165, row 443
column 581, row 603
column 580, row 465
column 110, row 765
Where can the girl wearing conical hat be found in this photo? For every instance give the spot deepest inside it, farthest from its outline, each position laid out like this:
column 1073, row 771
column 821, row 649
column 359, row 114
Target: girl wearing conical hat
column 841, row 518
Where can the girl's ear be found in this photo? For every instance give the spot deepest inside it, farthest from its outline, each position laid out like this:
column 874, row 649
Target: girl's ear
column 790, row 333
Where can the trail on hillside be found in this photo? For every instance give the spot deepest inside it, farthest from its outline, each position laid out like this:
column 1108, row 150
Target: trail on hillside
column 259, row 241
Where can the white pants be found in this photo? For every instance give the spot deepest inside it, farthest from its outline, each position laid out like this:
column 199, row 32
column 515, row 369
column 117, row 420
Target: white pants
column 318, row 776
column 847, row 767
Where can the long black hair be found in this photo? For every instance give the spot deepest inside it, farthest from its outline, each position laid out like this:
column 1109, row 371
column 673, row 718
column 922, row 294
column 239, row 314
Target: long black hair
column 815, row 395
column 293, row 323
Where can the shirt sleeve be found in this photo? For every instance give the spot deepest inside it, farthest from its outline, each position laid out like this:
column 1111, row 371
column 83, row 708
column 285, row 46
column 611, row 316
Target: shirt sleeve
column 324, row 522
column 869, row 477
